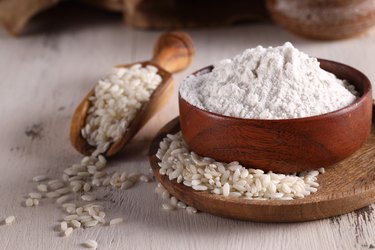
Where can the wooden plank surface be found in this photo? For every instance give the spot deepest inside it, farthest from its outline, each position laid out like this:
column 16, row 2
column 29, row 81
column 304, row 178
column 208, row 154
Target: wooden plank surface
column 43, row 77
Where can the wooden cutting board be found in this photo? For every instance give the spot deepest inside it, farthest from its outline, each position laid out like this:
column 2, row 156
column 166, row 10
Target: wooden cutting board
column 345, row 187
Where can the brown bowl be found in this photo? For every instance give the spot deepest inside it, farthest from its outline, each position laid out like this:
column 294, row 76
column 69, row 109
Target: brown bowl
column 323, row 19
column 283, row 146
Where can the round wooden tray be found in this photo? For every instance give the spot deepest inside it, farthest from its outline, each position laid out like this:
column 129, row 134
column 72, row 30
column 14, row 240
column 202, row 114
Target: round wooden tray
column 345, row 187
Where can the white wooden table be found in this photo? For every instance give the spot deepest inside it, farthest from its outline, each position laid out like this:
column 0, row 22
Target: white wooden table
column 45, row 73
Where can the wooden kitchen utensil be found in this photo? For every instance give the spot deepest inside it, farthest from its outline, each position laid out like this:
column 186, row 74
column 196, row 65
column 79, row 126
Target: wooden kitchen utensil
column 173, row 52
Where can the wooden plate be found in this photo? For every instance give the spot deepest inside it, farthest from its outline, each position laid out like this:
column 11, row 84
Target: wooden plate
column 345, row 187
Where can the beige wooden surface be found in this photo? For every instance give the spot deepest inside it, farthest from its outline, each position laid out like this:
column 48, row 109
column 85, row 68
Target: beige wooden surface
column 45, row 73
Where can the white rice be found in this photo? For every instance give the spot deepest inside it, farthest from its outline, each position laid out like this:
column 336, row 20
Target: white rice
column 29, row 202
column 172, row 203
column 90, row 223
column 180, row 204
column 42, row 188
column 9, row 220
column 229, row 179
column 39, row 178
column 117, row 99
column 35, row 202
column 71, row 217
column 167, row 206
column 87, row 187
column 75, row 223
column 63, row 226
column 68, row 231
column 116, row 221
column 63, row 198
column 90, row 244
column 56, row 185
column 87, row 197
column 144, row 178
column 191, row 210
column 35, row 195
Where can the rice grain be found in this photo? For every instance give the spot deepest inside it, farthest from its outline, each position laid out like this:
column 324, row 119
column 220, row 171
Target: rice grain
column 39, row 178
column 35, row 195
column 90, row 244
column 68, row 231
column 87, row 197
column 228, row 179
column 42, row 188
column 116, row 221
column 9, row 220
column 63, row 226
column 29, row 202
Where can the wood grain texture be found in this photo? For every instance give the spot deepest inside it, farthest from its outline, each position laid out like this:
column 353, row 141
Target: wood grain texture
column 346, row 186
column 173, row 52
column 82, row 49
column 283, row 146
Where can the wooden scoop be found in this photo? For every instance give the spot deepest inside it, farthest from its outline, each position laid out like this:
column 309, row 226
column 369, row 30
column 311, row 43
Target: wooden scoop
column 173, row 52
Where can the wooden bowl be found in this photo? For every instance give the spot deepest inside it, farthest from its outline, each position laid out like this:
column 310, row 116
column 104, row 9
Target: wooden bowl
column 283, row 146
column 323, row 19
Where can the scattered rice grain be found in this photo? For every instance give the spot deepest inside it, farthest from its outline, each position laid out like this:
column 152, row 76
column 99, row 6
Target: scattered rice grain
column 116, row 221
column 68, row 231
column 9, row 220
column 39, row 178
column 90, row 244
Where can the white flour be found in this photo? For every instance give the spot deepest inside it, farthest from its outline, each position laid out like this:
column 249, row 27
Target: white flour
column 268, row 83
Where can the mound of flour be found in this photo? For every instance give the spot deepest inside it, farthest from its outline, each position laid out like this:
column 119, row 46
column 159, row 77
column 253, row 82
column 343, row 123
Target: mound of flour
column 268, row 83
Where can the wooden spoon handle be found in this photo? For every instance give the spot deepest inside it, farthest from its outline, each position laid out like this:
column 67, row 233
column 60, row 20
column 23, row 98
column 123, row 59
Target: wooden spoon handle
column 173, row 51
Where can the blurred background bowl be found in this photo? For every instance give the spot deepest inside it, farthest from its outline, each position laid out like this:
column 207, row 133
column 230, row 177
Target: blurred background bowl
column 323, row 19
